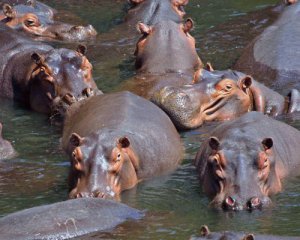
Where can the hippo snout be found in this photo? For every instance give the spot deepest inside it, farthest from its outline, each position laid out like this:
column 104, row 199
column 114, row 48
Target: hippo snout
column 94, row 194
column 233, row 204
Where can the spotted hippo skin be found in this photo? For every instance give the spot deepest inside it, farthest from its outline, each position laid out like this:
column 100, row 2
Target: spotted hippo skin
column 229, row 235
column 65, row 220
column 219, row 96
column 165, row 55
column 151, row 12
column 36, row 19
column 116, row 140
column 6, row 149
column 36, row 75
column 273, row 57
column 244, row 161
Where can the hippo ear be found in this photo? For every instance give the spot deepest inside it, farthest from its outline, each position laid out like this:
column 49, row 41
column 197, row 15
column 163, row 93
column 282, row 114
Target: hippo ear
column 143, row 28
column 9, row 11
column 76, row 140
column 214, row 143
column 267, row 143
column 81, row 49
column 209, row 67
column 123, row 142
column 204, row 231
column 249, row 237
column 188, row 25
column 245, row 82
column 37, row 58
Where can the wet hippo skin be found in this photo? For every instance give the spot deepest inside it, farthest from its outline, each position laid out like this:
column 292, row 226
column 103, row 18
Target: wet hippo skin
column 6, row 149
column 116, row 140
column 36, row 75
column 244, row 161
column 65, row 220
column 273, row 57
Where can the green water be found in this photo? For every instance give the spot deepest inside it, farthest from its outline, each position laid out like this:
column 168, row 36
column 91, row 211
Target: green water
column 175, row 204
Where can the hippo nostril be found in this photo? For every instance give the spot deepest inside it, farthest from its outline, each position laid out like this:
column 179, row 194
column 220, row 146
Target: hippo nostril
column 99, row 194
column 230, row 201
column 254, row 203
column 79, row 195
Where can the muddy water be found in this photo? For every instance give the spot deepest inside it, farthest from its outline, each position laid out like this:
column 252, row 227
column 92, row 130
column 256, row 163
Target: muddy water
column 175, row 204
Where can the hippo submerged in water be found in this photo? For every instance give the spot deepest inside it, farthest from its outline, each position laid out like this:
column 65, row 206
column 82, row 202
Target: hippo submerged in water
column 221, row 95
column 6, row 149
column 116, row 140
column 65, row 220
column 36, row 19
column 36, row 75
column 244, row 161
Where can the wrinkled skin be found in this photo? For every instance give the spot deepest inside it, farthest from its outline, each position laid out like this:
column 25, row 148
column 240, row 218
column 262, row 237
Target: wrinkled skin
column 36, row 19
column 6, row 149
column 244, row 161
column 151, row 12
column 228, row 235
column 171, row 62
column 273, row 57
column 65, row 220
column 37, row 75
column 114, row 142
column 220, row 96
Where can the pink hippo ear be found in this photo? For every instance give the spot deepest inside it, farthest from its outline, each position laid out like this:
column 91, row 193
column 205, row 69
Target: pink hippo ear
column 209, row 67
column 81, row 49
column 143, row 28
column 245, row 82
column 9, row 11
column 76, row 140
column 267, row 143
column 214, row 143
column 123, row 142
column 188, row 25
column 204, row 231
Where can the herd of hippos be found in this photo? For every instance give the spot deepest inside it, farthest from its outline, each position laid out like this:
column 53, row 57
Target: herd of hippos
column 115, row 140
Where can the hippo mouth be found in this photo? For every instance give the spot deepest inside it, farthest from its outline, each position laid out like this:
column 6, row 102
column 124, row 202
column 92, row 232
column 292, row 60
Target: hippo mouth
column 210, row 110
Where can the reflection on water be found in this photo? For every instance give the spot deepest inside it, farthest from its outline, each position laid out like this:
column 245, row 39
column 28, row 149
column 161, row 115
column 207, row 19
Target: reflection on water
column 175, row 204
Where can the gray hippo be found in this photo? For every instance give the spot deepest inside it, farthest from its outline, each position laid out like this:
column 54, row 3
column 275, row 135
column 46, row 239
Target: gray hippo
column 6, row 149
column 65, row 220
column 36, row 75
column 273, row 57
column 221, row 95
column 37, row 20
column 116, row 140
column 244, row 161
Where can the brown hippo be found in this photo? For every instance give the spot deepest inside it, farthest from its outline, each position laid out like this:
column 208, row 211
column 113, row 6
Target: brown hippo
column 165, row 55
column 36, row 19
column 65, row 220
column 151, row 12
column 244, row 161
column 273, row 57
column 221, row 95
column 6, row 149
column 228, row 235
column 116, row 140
column 35, row 74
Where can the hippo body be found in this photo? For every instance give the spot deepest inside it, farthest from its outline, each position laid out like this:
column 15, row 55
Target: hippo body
column 37, row 20
column 35, row 74
column 221, row 95
column 65, row 220
column 244, row 161
column 6, row 149
column 273, row 57
column 123, row 137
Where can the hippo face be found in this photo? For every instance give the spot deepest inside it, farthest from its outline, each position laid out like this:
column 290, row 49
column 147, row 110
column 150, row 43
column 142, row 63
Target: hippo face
column 58, row 73
column 240, row 176
column 166, row 47
column 209, row 100
column 100, row 169
column 6, row 149
column 38, row 20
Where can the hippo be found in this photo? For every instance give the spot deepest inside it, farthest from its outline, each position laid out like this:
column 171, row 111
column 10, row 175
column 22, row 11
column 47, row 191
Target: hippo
column 151, row 12
column 219, row 96
column 243, row 161
column 6, row 149
column 36, row 19
column 116, row 140
column 35, row 74
column 171, row 62
column 229, row 235
column 273, row 57
column 67, row 219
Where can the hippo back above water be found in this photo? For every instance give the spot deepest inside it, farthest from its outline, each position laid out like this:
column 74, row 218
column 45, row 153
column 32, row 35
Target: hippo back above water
column 6, row 149
column 115, row 140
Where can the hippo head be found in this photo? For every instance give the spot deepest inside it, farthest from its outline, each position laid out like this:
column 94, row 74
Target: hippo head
column 240, row 176
column 220, row 98
column 154, row 11
column 166, row 47
column 58, row 73
column 37, row 19
column 99, row 169
column 6, row 149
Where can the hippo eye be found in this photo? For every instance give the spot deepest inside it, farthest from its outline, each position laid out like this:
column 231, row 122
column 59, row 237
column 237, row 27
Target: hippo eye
column 228, row 87
column 118, row 156
column 30, row 22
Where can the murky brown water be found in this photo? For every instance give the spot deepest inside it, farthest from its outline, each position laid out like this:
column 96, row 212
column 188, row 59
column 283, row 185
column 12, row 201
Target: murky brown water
column 175, row 204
